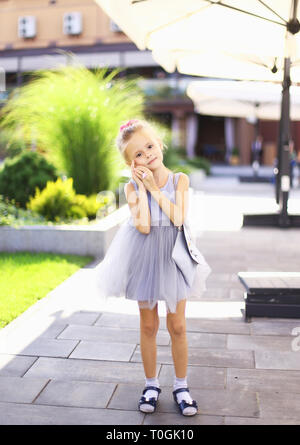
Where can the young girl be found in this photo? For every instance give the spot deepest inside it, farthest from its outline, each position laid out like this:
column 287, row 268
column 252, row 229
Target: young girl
column 139, row 264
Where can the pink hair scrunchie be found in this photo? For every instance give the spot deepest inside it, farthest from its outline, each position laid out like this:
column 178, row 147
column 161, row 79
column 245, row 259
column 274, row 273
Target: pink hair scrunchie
column 131, row 121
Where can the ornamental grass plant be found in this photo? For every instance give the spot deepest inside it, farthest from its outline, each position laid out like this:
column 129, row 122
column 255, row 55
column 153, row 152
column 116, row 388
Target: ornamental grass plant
column 73, row 115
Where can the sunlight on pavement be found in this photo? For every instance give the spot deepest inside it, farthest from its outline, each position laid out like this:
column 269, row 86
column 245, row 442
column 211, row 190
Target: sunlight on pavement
column 194, row 309
column 216, row 212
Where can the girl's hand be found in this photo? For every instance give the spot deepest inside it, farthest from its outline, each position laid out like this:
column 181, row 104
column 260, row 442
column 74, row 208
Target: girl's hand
column 148, row 179
column 136, row 177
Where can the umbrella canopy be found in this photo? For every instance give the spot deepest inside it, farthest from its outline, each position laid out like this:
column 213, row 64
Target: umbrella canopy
column 228, row 39
column 241, row 99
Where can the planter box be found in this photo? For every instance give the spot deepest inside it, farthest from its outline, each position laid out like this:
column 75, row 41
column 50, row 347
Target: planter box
column 91, row 240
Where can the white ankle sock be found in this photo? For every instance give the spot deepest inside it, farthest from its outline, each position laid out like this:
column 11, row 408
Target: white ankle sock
column 184, row 395
column 151, row 382
column 146, row 408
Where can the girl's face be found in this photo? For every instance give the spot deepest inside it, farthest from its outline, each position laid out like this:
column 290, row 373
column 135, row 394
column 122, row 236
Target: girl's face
column 144, row 149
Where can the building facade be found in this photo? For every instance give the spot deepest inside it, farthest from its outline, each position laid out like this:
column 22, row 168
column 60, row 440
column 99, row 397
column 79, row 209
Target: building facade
column 40, row 34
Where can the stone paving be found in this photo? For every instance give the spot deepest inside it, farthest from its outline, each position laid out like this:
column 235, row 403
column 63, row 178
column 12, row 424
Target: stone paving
column 74, row 359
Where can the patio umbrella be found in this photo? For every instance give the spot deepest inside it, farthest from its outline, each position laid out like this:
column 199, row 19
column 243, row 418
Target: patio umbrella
column 250, row 37
column 251, row 40
column 250, row 100
column 245, row 99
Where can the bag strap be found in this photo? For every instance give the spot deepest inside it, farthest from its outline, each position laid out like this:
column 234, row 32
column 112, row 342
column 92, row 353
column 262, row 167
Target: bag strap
column 179, row 228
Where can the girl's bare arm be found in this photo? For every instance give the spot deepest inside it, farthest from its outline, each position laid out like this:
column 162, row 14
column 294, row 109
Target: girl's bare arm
column 175, row 212
column 139, row 208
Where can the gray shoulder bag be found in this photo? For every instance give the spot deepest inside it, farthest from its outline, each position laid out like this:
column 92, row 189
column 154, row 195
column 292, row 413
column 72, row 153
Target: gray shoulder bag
column 185, row 253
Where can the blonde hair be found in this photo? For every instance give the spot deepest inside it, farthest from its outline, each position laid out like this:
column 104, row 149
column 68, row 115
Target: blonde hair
column 128, row 129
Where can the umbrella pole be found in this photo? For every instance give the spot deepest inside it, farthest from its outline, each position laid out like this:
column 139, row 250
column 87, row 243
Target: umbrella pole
column 281, row 219
column 277, row 169
column 256, row 153
column 283, row 176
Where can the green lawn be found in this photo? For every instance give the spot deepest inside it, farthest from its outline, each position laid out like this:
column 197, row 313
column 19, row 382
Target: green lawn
column 26, row 277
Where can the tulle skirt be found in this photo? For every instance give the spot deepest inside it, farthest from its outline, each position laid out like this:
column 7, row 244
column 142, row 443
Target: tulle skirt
column 140, row 267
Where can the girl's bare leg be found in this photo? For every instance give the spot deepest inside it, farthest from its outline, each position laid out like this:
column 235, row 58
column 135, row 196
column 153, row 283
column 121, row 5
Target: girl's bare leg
column 149, row 323
column 177, row 328
column 176, row 325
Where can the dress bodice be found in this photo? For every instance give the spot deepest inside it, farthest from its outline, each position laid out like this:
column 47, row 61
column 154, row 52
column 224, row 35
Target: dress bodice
column 158, row 217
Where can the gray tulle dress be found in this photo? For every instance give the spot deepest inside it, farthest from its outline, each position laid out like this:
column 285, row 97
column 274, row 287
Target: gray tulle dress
column 140, row 266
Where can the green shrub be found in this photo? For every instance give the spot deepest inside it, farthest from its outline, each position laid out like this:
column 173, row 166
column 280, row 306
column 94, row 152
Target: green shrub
column 12, row 215
column 91, row 204
column 19, row 176
column 187, row 169
column 58, row 202
column 8, row 212
column 171, row 157
column 176, row 157
column 235, row 151
column 176, row 160
column 199, row 162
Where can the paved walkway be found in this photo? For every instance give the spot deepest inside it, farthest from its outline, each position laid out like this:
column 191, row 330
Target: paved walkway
column 71, row 359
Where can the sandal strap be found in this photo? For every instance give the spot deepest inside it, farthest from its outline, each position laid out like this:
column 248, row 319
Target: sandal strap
column 152, row 401
column 183, row 404
column 181, row 390
column 154, row 388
